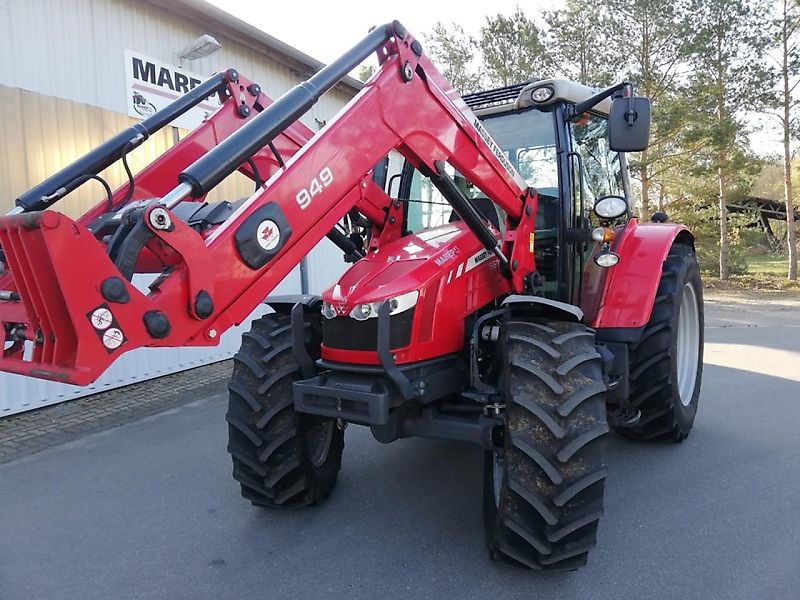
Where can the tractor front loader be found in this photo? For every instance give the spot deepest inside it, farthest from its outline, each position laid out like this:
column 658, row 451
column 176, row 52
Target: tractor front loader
column 500, row 292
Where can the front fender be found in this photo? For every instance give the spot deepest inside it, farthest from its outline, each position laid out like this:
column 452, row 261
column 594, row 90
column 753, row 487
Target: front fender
column 631, row 286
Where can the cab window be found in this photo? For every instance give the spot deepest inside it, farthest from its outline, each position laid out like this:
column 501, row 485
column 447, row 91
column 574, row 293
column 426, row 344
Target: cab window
column 427, row 208
column 602, row 168
column 528, row 139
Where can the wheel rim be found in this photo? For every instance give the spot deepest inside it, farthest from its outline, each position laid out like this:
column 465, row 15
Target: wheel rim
column 688, row 344
column 497, row 476
column 319, row 438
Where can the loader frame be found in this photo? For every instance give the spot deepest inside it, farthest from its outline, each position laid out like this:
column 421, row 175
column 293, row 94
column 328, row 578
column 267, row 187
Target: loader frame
column 209, row 283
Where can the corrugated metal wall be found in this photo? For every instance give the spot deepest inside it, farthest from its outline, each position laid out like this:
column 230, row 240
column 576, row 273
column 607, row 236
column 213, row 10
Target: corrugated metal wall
column 41, row 134
column 62, row 92
column 73, row 49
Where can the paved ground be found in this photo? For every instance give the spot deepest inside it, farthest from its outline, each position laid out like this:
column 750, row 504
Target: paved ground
column 35, row 430
column 148, row 509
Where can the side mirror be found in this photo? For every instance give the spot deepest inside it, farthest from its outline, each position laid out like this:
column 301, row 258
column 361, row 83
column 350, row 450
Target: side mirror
column 629, row 124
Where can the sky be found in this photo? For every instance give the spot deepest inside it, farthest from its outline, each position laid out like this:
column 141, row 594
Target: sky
column 325, row 30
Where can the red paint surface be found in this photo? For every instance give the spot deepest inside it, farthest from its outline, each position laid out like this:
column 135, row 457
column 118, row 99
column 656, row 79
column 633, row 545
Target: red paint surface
column 57, row 264
column 630, row 287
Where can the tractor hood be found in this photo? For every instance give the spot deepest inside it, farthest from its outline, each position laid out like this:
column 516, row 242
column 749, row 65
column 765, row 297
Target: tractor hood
column 403, row 267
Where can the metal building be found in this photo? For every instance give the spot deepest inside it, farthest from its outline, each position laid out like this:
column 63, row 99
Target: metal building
column 64, row 89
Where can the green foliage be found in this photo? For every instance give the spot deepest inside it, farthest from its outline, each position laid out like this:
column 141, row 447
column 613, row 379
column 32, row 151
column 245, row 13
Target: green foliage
column 702, row 63
column 698, row 210
column 704, row 224
column 578, row 43
column 512, row 49
column 784, row 29
column 648, row 37
column 727, row 41
column 454, row 52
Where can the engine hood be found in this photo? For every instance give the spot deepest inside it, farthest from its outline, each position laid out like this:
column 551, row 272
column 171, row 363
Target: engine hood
column 402, row 266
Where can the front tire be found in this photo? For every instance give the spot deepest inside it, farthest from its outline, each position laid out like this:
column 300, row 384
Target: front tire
column 667, row 362
column 281, row 458
column 543, row 483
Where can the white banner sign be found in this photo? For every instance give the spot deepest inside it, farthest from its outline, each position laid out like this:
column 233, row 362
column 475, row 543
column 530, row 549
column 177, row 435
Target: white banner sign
column 151, row 85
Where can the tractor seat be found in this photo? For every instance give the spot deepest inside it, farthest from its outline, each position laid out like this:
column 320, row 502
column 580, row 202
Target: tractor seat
column 485, row 207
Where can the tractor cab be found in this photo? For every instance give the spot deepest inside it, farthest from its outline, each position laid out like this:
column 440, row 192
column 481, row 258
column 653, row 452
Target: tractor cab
column 566, row 157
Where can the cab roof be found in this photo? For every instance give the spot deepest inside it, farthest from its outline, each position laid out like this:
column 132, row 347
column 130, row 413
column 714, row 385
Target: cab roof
column 519, row 96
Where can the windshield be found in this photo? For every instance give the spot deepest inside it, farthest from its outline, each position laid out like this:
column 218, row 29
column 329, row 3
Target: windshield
column 529, row 141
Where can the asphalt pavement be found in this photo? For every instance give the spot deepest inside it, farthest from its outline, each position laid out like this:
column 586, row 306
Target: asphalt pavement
column 149, row 510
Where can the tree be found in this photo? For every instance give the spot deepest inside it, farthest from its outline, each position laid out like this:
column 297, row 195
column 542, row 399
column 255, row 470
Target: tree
column 693, row 202
column 785, row 28
column 513, row 50
column 648, row 41
column 727, row 45
column 453, row 51
column 578, row 43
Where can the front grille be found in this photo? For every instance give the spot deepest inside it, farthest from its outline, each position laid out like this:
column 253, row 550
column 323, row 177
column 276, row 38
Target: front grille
column 345, row 333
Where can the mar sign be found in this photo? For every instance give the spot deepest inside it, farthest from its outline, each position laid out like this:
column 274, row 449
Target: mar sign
column 152, row 84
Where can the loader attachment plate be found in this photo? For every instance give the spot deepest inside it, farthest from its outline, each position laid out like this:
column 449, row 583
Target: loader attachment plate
column 62, row 328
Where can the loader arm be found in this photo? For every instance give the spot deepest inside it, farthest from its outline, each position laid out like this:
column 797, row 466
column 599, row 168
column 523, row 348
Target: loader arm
column 28, row 281
column 88, row 317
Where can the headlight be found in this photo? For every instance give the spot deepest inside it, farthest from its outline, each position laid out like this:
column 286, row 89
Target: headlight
column 606, row 259
column 362, row 312
column 542, row 93
column 611, row 207
column 398, row 304
column 328, row 311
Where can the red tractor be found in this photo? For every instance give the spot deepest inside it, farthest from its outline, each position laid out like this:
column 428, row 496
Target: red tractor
column 501, row 293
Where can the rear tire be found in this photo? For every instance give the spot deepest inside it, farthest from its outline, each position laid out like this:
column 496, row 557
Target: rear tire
column 666, row 364
column 281, row 458
column 543, row 483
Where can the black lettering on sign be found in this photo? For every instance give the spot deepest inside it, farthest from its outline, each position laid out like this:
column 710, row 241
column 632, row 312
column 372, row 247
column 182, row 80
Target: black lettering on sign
column 144, row 71
column 165, row 78
column 181, row 83
column 193, row 83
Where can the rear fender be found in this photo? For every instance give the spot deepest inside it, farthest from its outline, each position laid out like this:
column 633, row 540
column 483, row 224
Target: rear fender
column 630, row 286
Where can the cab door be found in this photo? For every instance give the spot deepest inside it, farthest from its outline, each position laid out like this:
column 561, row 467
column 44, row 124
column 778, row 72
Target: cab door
column 595, row 171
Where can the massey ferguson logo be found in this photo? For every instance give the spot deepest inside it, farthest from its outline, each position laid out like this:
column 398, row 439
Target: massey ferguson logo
column 268, row 235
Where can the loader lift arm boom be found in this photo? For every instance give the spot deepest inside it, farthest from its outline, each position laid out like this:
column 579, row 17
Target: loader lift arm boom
column 222, row 277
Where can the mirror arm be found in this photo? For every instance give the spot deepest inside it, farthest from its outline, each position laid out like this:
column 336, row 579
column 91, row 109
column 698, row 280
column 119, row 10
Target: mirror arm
column 578, row 109
column 631, row 115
